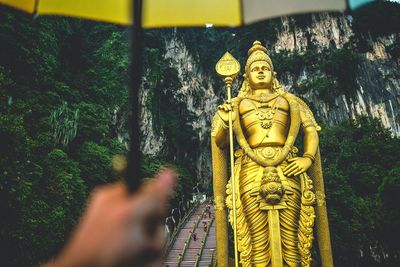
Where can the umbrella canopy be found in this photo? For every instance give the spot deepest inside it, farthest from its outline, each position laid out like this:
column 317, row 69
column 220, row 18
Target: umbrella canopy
column 167, row 13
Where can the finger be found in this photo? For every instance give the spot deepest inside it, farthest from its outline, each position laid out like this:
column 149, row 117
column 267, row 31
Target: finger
column 147, row 239
column 159, row 240
column 152, row 248
column 298, row 172
column 149, row 209
column 106, row 194
column 110, row 190
column 157, row 263
column 292, row 159
column 293, row 171
column 150, row 205
column 293, row 166
column 162, row 185
column 222, row 107
column 288, row 167
column 227, row 107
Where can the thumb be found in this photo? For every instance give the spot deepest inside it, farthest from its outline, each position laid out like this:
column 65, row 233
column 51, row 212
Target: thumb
column 166, row 180
column 292, row 159
column 162, row 186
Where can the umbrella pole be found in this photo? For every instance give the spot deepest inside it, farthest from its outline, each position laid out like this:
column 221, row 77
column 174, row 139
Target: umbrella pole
column 133, row 174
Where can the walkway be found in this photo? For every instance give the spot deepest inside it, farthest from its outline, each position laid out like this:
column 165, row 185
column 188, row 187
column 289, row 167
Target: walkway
column 193, row 248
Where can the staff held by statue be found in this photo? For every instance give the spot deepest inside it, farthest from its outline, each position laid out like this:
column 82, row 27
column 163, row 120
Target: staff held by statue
column 228, row 68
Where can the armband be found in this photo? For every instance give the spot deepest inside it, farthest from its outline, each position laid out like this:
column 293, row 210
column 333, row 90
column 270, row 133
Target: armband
column 309, row 156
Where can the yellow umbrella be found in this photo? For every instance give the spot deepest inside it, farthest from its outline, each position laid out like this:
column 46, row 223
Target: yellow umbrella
column 167, row 13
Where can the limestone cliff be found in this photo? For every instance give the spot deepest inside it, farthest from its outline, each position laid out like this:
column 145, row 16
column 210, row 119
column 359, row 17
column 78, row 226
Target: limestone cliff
column 374, row 87
column 377, row 78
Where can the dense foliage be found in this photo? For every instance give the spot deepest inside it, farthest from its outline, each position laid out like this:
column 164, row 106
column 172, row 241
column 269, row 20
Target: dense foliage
column 369, row 23
column 63, row 99
column 361, row 163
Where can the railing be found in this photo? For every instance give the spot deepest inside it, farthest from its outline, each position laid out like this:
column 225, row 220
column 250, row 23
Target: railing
column 178, row 228
column 213, row 262
column 196, row 223
column 203, row 243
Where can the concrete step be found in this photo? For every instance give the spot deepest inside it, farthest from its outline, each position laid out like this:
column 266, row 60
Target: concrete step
column 193, row 248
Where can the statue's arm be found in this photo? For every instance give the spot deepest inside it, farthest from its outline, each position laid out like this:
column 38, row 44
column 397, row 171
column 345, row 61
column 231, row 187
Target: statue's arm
column 219, row 131
column 311, row 139
column 219, row 141
column 219, row 127
column 300, row 165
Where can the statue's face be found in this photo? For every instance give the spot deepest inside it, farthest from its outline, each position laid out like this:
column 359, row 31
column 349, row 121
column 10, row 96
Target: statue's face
column 260, row 75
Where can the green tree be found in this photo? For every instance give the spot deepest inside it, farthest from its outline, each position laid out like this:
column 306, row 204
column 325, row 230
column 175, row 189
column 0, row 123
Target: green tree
column 93, row 123
column 361, row 163
column 95, row 164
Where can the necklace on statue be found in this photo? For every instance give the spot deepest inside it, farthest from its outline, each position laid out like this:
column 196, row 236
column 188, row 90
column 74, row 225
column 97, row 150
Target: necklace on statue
column 263, row 98
column 266, row 118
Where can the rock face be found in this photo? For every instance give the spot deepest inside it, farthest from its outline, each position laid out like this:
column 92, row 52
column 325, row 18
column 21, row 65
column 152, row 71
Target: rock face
column 378, row 86
column 377, row 90
column 325, row 31
column 196, row 91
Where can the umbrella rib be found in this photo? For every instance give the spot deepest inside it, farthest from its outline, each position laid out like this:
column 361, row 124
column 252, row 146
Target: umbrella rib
column 242, row 12
column 35, row 8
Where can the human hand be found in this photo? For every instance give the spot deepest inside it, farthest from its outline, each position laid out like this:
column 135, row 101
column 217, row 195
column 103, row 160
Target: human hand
column 119, row 228
column 223, row 112
column 297, row 166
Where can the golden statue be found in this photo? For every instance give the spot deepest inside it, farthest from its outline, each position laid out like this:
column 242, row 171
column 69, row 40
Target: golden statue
column 278, row 194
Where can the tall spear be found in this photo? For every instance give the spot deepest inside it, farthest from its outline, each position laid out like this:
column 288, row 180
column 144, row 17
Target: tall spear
column 228, row 68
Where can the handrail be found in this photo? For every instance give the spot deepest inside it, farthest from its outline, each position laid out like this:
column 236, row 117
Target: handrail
column 195, row 224
column 213, row 262
column 199, row 254
column 203, row 243
column 177, row 229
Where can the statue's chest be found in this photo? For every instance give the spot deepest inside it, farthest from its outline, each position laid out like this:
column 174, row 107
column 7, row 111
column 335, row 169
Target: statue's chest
column 251, row 106
column 263, row 114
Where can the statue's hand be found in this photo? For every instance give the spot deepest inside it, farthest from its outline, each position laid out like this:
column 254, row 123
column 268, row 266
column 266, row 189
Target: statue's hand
column 223, row 112
column 297, row 166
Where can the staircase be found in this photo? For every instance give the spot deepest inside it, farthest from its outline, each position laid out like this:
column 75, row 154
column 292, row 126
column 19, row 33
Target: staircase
column 193, row 252
column 210, row 246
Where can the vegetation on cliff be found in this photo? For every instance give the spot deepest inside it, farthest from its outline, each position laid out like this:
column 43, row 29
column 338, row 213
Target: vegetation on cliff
column 63, row 96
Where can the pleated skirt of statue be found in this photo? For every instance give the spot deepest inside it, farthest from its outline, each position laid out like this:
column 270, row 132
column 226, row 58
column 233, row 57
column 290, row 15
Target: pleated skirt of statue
column 256, row 221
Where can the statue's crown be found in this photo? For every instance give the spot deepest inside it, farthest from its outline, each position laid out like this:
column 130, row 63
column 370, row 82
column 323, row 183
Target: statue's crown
column 258, row 53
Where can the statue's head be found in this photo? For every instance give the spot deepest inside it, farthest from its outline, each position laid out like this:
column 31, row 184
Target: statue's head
column 259, row 69
column 258, row 53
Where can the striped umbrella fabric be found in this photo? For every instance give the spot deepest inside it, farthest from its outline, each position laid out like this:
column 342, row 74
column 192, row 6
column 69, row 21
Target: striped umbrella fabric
column 167, row 13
